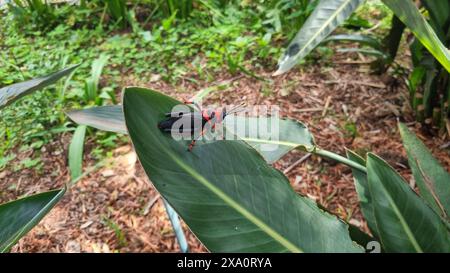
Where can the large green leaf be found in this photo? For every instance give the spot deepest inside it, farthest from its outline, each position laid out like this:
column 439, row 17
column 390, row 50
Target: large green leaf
column 326, row 17
column 20, row 216
column 362, row 188
column 405, row 222
column 225, row 191
column 408, row 13
column 11, row 93
column 431, row 178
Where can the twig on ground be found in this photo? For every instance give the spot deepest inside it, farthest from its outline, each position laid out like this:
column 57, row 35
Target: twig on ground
column 296, row 163
column 327, row 104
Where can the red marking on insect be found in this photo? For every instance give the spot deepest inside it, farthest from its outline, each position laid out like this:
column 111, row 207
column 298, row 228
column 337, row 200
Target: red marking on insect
column 199, row 121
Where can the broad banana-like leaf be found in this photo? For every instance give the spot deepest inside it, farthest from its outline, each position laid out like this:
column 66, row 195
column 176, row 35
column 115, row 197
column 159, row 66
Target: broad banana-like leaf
column 326, row 17
column 76, row 148
column 431, row 178
column 11, row 93
column 410, row 15
column 20, row 216
column 405, row 222
column 362, row 188
column 225, row 191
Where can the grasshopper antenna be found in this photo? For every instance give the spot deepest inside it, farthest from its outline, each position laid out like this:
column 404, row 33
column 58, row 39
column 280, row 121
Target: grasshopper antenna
column 236, row 109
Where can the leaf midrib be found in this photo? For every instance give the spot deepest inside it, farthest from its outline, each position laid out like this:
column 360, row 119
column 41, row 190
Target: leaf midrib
column 403, row 223
column 402, row 220
column 244, row 212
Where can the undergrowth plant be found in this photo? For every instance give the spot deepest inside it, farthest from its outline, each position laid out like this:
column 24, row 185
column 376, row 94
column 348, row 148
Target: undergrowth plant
column 19, row 216
column 428, row 83
column 286, row 16
column 119, row 11
column 40, row 12
column 91, row 92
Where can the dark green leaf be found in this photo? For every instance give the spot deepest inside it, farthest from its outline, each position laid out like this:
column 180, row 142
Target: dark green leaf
column 20, row 216
column 362, row 188
column 431, row 178
column 408, row 13
column 439, row 12
column 405, row 222
column 362, row 238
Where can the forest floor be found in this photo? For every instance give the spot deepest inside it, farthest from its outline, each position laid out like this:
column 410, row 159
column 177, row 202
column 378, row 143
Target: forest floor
column 114, row 208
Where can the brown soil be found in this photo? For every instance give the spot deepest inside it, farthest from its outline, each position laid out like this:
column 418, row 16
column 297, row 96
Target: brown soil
column 118, row 193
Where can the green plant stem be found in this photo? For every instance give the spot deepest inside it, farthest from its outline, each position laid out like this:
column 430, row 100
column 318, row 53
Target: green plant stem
column 340, row 159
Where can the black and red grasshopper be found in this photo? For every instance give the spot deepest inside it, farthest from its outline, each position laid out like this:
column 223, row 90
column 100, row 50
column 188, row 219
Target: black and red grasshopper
column 198, row 122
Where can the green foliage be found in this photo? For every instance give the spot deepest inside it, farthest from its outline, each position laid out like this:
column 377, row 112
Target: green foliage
column 405, row 222
column 402, row 220
column 431, row 178
column 11, row 93
column 119, row 11
column 14, row 92
column 117, row 231
column 429, row 83
column 183, row 39
column 180, row 8
column 20, row 216
column 91, row 84
column 38, row 12
column 217, row 34
column 286, row 16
